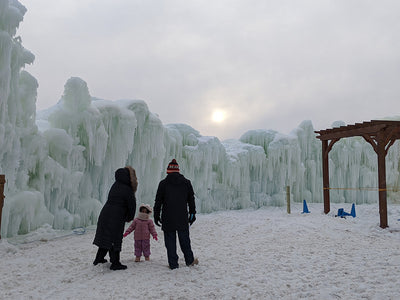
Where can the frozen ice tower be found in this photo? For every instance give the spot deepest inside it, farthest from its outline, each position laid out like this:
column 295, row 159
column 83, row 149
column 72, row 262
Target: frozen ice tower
column 60, row 163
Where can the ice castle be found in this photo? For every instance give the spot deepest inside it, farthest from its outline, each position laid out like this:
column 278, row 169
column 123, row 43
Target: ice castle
column 59, row 163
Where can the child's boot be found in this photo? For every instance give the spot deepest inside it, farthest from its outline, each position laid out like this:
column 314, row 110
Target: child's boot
column 147, row 258
column 195, row 262
column 137, row 259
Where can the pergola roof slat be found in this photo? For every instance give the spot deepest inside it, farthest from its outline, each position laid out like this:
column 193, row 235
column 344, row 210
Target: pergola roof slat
column 359, row 129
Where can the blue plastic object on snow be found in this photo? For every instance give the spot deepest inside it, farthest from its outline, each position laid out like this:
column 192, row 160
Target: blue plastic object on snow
column 353, row 210
column 305, row 208
column 341, row 213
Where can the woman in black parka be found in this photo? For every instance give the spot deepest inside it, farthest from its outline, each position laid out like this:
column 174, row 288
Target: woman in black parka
column 119, row 208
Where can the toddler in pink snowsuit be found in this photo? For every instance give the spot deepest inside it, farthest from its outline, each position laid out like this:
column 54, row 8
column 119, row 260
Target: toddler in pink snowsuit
column 143, row 227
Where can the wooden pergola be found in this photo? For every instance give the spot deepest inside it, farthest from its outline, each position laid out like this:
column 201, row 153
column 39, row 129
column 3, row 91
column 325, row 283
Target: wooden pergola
column 381, row 135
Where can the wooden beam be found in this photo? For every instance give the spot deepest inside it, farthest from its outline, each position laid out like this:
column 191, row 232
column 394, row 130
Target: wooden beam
column 2, row 182
column 325, row 175
column 334, row 134
column 332, row 142
column 382, row 181
column 388, row 146
column 370, row 140
column 391, row 132
column 387, row 122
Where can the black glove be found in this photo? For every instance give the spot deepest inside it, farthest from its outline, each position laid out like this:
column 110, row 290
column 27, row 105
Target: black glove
column 192, row 218
column 157, row 220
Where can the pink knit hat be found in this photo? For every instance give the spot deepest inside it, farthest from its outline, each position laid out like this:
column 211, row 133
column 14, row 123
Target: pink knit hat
column 148, row 207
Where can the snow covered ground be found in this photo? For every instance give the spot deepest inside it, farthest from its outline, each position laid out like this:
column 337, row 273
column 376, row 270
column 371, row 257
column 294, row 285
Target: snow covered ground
column 246, row 254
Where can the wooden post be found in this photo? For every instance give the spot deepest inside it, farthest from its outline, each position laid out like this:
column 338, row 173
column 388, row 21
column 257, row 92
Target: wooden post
column 382, row 182
column 2, row 182
column 325, row 175
column 288, row 199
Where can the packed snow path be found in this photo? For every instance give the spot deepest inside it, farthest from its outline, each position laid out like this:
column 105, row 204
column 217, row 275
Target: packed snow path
column 247, row 254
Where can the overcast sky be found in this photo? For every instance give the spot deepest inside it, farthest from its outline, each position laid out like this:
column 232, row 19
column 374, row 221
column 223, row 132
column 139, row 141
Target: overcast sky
column 265, row 64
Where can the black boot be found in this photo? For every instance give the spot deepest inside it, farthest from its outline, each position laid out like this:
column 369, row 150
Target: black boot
column 119, row 266
column 101, row 253
column 115, row 263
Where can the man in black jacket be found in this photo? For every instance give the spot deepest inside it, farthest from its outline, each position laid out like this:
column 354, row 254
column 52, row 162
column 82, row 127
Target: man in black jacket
column 174, row 196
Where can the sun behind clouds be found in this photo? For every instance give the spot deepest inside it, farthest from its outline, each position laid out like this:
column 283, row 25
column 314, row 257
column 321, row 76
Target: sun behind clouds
column 218, row 116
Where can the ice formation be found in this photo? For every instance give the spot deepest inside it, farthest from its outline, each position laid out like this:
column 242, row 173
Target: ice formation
column 60, row 163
